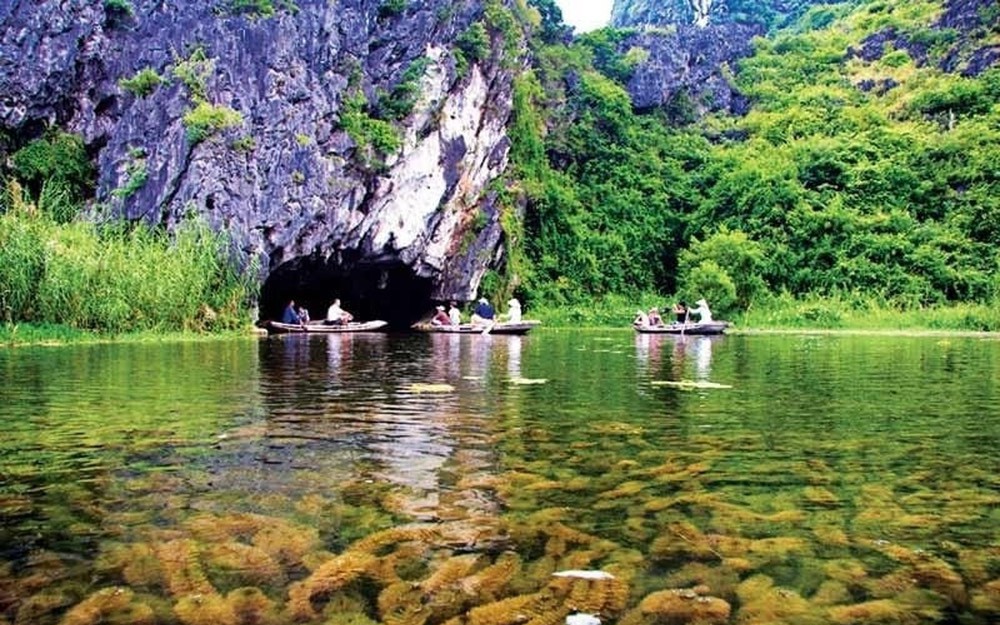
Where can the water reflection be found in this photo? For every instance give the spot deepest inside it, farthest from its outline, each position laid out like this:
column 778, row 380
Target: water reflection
column 289, row 479
column 689, row 356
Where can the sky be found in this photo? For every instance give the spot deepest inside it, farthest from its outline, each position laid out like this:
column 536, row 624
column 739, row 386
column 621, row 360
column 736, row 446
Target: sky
column 584, row 15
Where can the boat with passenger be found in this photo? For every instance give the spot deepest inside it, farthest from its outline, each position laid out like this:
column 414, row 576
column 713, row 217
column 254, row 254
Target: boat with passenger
column 693, row 329
column 500, row 327
column 321, row 327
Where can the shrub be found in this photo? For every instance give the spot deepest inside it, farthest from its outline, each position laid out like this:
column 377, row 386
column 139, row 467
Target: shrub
column 143, row 83
column 398, row 104
column 373, row 137
column 56, row 169
column 194, row 72
column 391, row 8
column 474, row 43
column 206, row 119
column 118, row 7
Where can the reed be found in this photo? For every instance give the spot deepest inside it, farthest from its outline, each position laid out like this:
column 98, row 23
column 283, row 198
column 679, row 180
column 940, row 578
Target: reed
column 116, row 278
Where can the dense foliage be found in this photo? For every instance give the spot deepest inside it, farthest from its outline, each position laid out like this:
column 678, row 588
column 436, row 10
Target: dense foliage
column 853, row 179
column 113, row 278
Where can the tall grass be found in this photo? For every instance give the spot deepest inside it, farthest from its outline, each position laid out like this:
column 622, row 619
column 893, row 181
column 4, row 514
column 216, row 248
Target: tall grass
column 118, row 278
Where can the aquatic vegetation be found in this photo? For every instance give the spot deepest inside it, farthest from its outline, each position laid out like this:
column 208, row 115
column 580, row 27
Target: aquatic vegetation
column 690, row 385
column 424, row 387
column 678, row 605
column 110, row 605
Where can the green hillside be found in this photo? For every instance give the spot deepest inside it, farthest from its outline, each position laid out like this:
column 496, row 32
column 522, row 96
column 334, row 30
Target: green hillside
column 854, row 179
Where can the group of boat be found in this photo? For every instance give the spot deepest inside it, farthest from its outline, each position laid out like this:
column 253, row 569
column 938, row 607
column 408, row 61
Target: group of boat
column 485, row 327
column 321, row 327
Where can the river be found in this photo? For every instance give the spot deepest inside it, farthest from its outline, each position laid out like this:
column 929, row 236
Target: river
column 493, row 480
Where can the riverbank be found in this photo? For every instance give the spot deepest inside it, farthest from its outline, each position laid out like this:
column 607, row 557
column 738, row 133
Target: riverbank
column 781, row 315
column 784, row 314
column 52, row 335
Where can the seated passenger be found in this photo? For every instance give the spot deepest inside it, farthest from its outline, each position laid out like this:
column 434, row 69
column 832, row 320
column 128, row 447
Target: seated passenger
column 335, row 315
column 641, row 319
column 514, row 311
column 484, row 313
column 681, row 312
column 454, row 314
column 291, row 316
column 441, row 318
column 654, row 317
column 704, row 314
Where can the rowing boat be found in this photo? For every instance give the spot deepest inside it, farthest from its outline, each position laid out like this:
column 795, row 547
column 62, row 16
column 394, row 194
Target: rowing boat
column 501, row 327
column 319, row 327
column 694, row 329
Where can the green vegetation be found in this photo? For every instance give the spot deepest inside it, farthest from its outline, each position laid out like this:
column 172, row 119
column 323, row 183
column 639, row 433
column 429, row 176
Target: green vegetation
column 143, row 83
column 120, row 7
column 206, row 119
column 56, row 173
column 114, row 278
column 136, row 175
column 259, row 8
column 874, row 199
column 398, row 104
column 373, row 137
column 194, row 73
column 391, row 8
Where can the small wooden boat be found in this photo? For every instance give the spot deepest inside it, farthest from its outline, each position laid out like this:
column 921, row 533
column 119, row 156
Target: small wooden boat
column 500, row 327
column 693, row 329
column 319, row 327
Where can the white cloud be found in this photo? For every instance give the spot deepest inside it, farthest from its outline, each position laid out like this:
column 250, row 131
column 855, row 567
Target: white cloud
column 586, row 15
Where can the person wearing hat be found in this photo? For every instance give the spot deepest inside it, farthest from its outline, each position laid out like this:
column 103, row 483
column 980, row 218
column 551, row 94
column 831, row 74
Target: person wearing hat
column 514, row 311
column 484, row 313
column 440, row 317
column 704, row 314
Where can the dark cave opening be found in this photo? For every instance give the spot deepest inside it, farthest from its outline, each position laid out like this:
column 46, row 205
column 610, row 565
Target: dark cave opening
column 387, row 291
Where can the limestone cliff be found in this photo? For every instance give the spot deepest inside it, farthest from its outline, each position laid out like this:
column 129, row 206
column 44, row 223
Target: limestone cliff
column 346, row 147
column 762, row 13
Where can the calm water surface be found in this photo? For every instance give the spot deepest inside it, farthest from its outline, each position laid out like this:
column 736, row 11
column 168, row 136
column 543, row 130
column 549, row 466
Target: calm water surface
column 424, row 479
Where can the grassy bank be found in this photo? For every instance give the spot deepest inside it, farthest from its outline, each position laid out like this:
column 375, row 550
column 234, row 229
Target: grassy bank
column 30, row 334
column 67, row 280
column 787, row 313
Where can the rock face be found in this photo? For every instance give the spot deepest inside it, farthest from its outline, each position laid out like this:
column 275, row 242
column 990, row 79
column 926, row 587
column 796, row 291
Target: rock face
column 279, row 126
column 687, row 71
column 763, row 14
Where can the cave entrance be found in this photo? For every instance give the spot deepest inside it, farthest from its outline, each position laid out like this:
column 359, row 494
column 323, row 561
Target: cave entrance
column 387, row 291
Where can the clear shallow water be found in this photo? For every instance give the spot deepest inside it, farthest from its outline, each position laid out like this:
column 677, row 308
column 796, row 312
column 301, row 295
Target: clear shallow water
column 417, row 479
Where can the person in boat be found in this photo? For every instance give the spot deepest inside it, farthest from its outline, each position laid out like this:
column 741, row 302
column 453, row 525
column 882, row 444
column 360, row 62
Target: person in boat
column 641, row 318
column 454, row 314
column 484, row 314
column 654, row 317
column 335, row 315
column 291, row 314
column 303, row 315
column 441, row 318
column 681, row 312
column 514, row 311
column 704, row 314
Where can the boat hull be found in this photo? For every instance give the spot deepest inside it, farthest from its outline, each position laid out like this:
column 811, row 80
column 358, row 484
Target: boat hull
column 318, row 327
column 692, row 329
column 522, row 327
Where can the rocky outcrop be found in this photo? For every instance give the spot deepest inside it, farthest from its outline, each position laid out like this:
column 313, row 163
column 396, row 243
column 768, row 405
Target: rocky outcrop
column 962, row 28
column 344, row 147
column 687, row 71
column 702, row 13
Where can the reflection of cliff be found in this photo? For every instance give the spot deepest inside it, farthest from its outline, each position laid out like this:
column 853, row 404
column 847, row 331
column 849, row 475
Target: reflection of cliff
column 356, row 409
